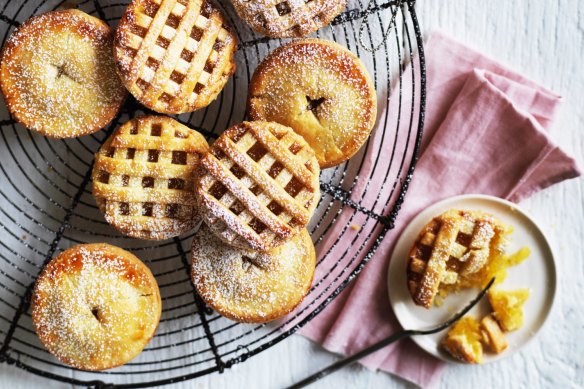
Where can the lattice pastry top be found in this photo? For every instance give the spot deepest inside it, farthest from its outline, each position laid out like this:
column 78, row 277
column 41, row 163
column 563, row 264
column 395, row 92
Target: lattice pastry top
column 452, row 246
column 174, row 56
column 143, row 177
column 288, row 18
column 259, row 185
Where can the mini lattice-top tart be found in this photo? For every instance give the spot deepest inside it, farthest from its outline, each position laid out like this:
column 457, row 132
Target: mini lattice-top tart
column 258, row 186
column 322, row 91
column 174, row 56
column 288, row 18
column 95, row 306
column 454, row 249
column 143, row 177
column 250, row 286
column 58, row 75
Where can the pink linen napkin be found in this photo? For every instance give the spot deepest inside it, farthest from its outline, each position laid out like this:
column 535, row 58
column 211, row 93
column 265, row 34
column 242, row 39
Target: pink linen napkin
column 485, row 132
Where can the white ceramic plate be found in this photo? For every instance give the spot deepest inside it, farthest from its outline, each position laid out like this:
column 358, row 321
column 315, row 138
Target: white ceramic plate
column 538, row 272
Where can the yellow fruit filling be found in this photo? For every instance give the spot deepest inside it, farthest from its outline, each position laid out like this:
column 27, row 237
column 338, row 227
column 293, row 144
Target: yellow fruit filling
column 496, row 265
column 463, row 341
column 508, row 307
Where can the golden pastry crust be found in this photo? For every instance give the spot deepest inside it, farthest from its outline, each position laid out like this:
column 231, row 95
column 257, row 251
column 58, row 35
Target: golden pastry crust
column 288, row 18
column 249, row 286
column 452, row 247
column 58, row 76
column 174, row 56
column 258, row 185
column 95, row 306
column 143, row 177
column 321, row 90
column 491, row 334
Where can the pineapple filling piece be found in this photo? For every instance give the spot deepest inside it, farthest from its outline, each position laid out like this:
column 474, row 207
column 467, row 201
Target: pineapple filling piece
column 508, row 307
column 466, row 339
column 463, row 341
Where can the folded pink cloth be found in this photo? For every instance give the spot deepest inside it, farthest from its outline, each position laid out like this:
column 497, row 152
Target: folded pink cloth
column 485, row 132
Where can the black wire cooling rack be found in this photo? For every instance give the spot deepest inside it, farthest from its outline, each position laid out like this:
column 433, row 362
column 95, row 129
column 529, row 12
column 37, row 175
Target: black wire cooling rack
column 46, row 203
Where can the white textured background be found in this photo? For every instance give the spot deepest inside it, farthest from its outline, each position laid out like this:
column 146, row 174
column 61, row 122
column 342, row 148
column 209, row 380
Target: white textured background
column 544, row 40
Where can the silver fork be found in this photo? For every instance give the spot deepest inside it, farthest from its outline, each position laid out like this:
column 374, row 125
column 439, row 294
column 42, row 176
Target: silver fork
column 393, row 338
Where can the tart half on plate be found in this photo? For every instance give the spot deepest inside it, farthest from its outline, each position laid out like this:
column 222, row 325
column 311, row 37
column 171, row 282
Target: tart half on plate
column 450, row 252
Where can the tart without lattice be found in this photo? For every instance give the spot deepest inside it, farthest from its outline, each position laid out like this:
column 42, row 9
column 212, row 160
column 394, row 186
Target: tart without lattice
column 250, row 286
column 174, row 56
column 321, row 90
column 95, row 306
column 288, row 18
column 58, row 76
column 259, row 185
column 452, row 250
column 143, row 177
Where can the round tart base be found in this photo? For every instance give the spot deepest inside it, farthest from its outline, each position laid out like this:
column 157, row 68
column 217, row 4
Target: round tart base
column 322, row 91
column 95, row 306
column 58, row 74
column 249, row 286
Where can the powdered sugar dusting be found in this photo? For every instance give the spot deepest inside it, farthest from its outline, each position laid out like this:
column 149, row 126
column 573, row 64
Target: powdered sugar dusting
column 288, row 18
column 259, row 185
column 322, row 91
column 95, row 306
column 173, row 56
column 58, row 74
column 249, row 286
column 143, row 177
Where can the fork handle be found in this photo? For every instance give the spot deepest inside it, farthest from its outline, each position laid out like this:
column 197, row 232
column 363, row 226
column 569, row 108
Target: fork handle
column 353, row 358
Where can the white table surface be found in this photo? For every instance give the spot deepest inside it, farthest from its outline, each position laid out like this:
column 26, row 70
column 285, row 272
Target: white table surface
column 545, row 41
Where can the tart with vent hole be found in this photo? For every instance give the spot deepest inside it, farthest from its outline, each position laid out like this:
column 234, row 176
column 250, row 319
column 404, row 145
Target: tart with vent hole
column 143, row 177
column 322, row 91
column 174, row 56
column 58, row 76
column 288, row 18
column 250, row 286
column 95, row 306
column 258, row 185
